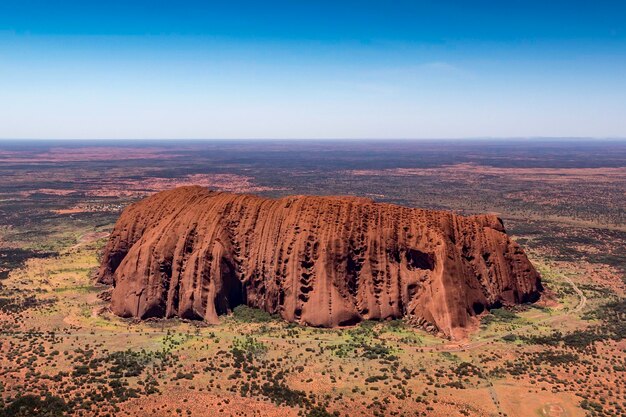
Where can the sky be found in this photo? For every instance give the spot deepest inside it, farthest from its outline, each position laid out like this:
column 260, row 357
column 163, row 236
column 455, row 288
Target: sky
column 312, row 69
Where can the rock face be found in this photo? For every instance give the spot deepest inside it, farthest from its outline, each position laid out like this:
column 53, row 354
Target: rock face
column 321, row 261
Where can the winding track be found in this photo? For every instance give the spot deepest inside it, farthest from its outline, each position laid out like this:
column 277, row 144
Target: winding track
column 583, row 300
column 492, row 392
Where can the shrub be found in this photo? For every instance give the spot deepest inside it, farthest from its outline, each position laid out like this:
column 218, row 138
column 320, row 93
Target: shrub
column 247, row 314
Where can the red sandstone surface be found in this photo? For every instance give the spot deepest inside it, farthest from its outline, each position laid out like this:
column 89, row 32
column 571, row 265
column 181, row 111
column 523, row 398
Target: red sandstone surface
column 320, row 261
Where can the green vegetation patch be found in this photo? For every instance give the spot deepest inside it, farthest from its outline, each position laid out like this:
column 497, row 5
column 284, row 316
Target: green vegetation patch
column 612, row 316
column 499, row 315
column 245, row 314
column 363, row 341
column 14, row 258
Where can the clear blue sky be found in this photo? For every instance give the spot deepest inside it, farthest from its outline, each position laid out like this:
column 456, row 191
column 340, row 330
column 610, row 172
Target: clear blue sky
column 312, row 69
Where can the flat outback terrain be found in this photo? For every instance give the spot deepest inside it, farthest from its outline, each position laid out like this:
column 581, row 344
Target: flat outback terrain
column 65, row 348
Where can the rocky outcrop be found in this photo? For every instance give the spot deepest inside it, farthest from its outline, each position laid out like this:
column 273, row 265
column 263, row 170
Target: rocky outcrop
column 321, row 261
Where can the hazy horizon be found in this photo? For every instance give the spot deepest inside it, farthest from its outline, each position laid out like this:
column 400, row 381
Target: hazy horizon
column 329, row 139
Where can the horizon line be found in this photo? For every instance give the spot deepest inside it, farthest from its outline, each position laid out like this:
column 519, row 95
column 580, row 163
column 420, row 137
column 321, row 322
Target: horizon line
column 488, row 138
